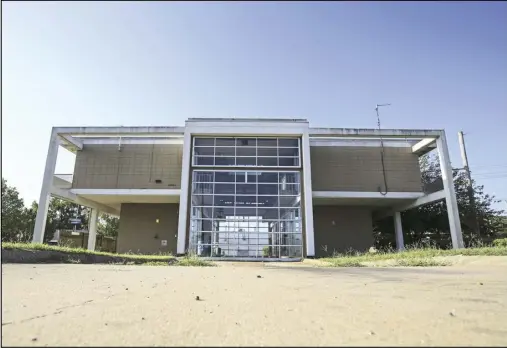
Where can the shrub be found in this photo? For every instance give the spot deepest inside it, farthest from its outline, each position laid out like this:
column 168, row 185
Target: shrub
column 502, row 242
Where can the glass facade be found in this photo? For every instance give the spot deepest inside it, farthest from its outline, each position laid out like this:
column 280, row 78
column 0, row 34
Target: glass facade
column 249, row 152
column 246, row 212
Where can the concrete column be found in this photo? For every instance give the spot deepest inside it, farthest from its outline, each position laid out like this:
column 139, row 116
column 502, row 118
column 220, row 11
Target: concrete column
column 398, row 229
column 450, row 194
column 185, row 183
column 92, row 230
column 45, row 191
column 307, row 195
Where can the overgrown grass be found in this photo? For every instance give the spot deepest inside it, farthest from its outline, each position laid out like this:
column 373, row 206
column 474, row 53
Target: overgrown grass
column 412, row 256
column 161, row 259
column 345, row 262
column 420, row 262
column 154, row 263
column 185, row 261
column 38, row 246
column 193, row 260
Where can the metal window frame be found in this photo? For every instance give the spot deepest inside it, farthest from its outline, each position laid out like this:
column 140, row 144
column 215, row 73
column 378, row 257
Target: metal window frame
column 196, row 221
column 194, row 156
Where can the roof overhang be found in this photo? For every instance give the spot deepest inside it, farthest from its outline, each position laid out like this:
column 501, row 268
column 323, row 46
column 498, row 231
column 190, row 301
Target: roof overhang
column 369, row 199
column 375, row 133
column 116, row 197
column 402, row 206
column 73, row 138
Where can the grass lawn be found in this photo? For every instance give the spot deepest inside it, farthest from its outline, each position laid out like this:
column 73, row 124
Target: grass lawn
column 422, row 257
column 412, row 257
column 149, row 260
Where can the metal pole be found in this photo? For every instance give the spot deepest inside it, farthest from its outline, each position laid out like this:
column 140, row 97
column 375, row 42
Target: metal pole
column 471, row 196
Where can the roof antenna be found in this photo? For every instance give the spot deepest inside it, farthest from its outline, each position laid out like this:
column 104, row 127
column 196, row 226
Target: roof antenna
column 383, row 193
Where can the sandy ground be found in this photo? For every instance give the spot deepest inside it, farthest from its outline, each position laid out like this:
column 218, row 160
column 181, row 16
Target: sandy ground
column 63, row 305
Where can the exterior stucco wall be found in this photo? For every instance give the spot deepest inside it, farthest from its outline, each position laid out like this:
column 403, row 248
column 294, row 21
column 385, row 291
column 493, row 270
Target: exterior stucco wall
column 341, row 228
column 134, row 167
column 139, row 231
column 360, row 169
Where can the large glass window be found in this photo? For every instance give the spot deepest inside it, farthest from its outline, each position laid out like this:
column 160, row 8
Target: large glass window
column 249, row 152
column 240, row 213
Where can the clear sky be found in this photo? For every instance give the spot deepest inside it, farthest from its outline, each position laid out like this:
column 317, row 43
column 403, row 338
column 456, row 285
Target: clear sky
column 440, row 64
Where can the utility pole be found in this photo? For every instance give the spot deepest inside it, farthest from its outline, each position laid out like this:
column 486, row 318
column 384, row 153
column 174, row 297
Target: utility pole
column 471, row 196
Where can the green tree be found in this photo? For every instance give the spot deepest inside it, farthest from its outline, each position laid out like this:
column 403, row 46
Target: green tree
column 430, row 224
column 13, row 213
column 108, row 225
column 60, row 213
column 29, row 221
column 18, row 221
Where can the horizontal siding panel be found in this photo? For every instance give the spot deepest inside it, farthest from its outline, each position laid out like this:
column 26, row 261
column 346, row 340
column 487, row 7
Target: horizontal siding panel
column 360, row 169
column 134, row 167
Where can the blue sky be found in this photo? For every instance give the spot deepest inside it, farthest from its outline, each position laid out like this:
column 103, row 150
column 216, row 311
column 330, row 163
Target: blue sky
column 440, row 64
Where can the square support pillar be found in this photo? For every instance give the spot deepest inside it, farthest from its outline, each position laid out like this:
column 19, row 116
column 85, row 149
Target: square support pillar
column 398, row 229
column 185, row 183
column 45, row 191
column 92, row 229
column 450, row 194
column 307, row 196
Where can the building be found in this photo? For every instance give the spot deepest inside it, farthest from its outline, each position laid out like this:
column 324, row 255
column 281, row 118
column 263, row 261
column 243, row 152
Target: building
column 246, row 188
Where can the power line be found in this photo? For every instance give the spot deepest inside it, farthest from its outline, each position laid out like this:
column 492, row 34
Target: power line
column 493, row 177
column 490, row 173
column 493, row 170
column 489, row 165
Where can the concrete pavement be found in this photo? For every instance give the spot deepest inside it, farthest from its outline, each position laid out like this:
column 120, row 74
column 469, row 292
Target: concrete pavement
column 63, row 305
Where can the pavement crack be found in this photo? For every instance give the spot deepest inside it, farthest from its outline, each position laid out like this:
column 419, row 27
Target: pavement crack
column 58, row 311
column 76, row 305
column 33, row 318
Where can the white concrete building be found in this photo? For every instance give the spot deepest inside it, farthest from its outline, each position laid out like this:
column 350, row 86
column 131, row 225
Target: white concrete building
column 246, row 188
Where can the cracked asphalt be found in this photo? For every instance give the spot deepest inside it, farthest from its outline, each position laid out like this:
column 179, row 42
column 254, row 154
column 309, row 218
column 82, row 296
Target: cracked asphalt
column 230, row 305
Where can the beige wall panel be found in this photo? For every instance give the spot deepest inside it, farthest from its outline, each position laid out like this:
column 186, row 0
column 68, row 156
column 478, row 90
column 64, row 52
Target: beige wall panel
column 360, row 169
column 134, row 167
column 340, row 228
column 139, row 231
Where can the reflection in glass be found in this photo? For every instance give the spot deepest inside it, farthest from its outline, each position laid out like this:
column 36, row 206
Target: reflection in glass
column 246, row 161
column 267, row 142
column 288, row 161
column 204, row 161
column 204, row 141
column 267, row 152
column 246, row 151
column 224, row 161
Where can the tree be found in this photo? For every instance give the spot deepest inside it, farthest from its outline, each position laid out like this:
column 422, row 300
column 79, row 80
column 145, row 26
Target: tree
column 108, row 225
column 64, row 211
column 13, row 213
column 18, row 221
column 60, row 212
column 29, row 222
column 430, row 224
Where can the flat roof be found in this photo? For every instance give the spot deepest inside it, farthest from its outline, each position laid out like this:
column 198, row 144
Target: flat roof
column 244, row 119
